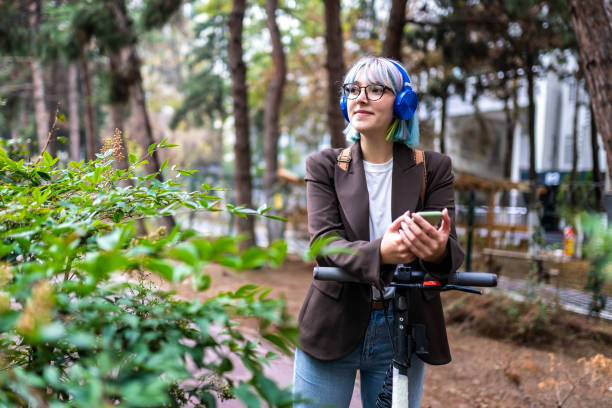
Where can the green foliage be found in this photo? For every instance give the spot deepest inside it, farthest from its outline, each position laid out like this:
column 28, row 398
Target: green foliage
column 597, row 250
column 81, row 323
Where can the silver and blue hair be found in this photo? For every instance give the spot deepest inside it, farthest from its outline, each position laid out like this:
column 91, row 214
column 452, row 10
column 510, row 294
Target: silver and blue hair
column 378, row 70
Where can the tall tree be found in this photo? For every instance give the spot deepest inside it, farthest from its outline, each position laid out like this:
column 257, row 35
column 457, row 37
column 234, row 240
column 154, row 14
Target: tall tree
column 335, row 71
column 73, row 106
column 242, row 148
column 91, row 139
column 593, row 25
column 38, row 82
column 392, row 45
column 274, row 98
column 597, row 176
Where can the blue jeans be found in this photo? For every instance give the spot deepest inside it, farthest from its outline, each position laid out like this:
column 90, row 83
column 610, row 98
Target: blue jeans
column 330, row 383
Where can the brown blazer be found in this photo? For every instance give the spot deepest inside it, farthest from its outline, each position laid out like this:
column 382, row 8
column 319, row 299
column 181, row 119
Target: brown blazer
column 335, row 315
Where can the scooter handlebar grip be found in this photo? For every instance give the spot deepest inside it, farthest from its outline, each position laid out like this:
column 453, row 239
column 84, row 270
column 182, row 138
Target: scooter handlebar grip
column 330, row 273
column 482, row 279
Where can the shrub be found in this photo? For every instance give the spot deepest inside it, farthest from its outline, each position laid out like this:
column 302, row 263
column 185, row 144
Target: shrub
column 79, row 325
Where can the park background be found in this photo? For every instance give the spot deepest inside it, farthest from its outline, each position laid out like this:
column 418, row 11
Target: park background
column 516, row 92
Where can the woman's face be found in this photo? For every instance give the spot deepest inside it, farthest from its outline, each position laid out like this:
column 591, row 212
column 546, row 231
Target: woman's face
column 370, row 118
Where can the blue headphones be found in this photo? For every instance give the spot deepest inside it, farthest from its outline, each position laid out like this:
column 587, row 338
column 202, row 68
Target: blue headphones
column 405, row 102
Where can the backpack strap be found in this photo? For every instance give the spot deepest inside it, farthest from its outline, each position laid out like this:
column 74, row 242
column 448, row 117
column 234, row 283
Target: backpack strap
column 419, row 157
column 344, row 161
column 344, row 158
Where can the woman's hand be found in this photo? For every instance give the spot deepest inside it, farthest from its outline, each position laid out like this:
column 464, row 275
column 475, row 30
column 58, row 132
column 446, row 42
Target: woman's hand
column 424, row 240
column 395, row 247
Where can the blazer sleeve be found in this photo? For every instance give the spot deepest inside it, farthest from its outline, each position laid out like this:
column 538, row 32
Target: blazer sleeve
column 325, row 218
column 440, row 194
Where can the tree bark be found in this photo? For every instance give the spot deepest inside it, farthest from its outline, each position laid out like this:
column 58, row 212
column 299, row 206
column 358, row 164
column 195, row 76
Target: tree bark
column 40, row 109
column 274, row 98
column 574, row 172
column 119, row 97
column 443, row 124
column 242, row 148
column 533, row 176
column 392, row 45
column 73, row 102
column 335, row 72
column 512, row 115
column 38, row 83
column 593, row 26
column 130, row 64
column 597, row 176
column 90, row 122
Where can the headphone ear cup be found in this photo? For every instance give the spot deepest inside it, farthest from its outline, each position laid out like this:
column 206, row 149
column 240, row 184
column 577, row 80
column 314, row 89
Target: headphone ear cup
column 343, row 108
column 405, row 104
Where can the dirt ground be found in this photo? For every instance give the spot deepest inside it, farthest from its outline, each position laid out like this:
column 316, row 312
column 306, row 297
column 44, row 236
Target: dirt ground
column 484, row 372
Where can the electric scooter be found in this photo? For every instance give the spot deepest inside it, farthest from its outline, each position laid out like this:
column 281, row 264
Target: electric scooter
column 408, row 339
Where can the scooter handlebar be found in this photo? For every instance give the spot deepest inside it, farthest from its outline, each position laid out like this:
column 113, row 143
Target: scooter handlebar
column 330, row 273
column 481, row 279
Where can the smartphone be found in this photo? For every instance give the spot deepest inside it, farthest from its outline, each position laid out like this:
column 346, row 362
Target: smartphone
column 433, row 217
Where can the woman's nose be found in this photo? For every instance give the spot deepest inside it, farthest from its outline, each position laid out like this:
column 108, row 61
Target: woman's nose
column 362, row 98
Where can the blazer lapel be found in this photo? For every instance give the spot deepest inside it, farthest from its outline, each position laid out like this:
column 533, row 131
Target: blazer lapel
column 407, row 180
column 352, row 192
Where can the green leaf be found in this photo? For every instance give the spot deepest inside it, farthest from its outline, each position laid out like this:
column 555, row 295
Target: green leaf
column 151, row 149
column 61, row 117
column 163, row 165
column 82, row 340
column 186, row 252
column 52, row 332
column 47, row 158
column 161, row 267
column 43, row 175
column 201, row 281
column 132, row 158
column 253, row 258
column 246, row 396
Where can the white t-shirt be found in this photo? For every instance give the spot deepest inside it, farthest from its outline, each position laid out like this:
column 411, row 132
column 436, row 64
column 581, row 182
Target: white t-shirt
column 379, row 181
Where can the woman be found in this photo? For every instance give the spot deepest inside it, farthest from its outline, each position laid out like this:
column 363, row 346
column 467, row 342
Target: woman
column 367, row 196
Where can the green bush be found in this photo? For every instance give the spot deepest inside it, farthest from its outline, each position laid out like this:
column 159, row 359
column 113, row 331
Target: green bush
column 80, row 326
column 597, row 250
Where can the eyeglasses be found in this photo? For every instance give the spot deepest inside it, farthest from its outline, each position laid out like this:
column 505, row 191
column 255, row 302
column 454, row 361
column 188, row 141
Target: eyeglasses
column 352, row 91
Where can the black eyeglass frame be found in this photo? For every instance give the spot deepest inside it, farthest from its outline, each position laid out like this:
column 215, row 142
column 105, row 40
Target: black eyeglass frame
column 348, row 96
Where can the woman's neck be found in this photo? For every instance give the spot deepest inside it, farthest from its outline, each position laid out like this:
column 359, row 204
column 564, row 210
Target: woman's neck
column 376, row 151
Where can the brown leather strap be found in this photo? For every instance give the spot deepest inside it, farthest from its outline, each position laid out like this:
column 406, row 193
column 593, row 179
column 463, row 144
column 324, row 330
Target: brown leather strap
column 419, row 157
column 344, row 158
column 344, row 161
column 378, row 304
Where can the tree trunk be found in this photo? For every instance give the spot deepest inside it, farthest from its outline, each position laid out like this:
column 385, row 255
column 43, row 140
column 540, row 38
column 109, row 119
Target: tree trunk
column 512, row 116
column 91, row 147
column 335, row 72
column 593, row 26
column 274, row 98
column 119, row 96
column 242, row 149
column 443, row 124
column 574, row 172
column 40, row 109
column 392, row 45
column 597, row 176
column 533, row 177
column 73, row 101
column 130, row 64
column 38, row 83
